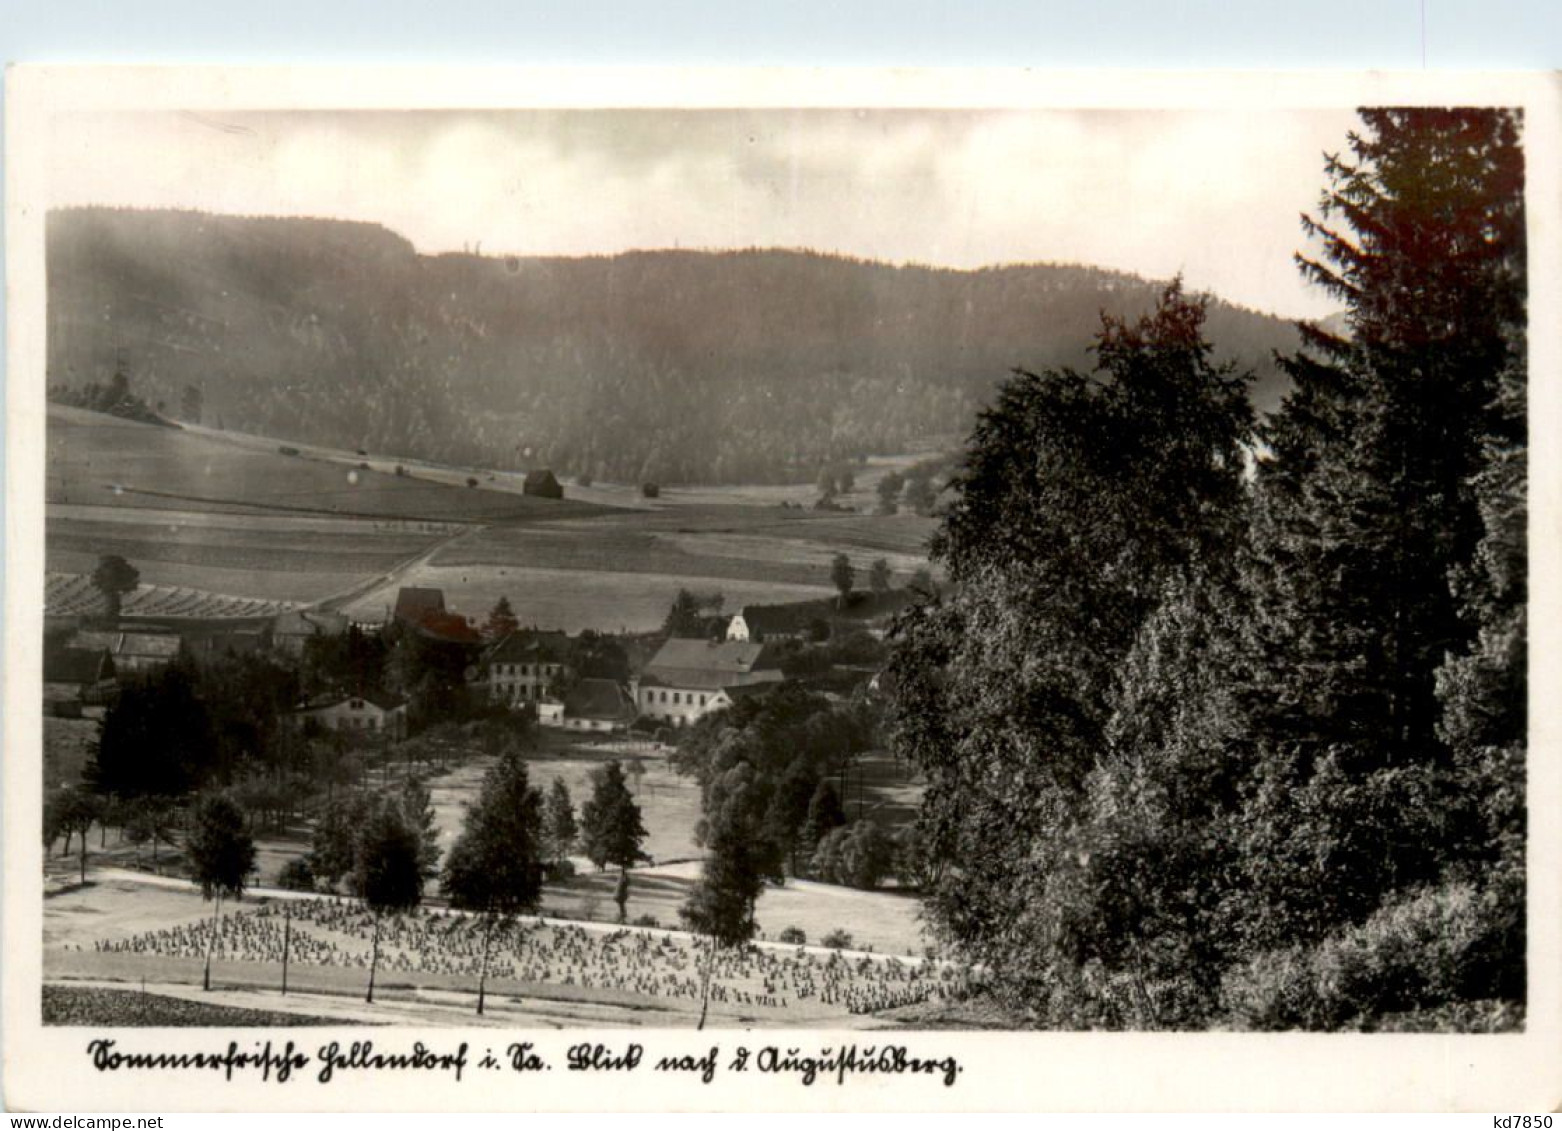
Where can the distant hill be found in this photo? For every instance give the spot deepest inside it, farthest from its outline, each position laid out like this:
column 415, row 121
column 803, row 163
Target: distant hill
column 672, row 366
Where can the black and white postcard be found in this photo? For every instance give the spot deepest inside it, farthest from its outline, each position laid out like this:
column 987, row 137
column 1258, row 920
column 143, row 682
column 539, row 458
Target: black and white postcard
column 785, row 590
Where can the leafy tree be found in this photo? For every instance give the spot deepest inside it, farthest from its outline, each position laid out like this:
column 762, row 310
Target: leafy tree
column 879, row 576
column 1080, row 498
column 157, row 737
column 842, row 574
column 889, row 491
column 858, row 855
column 221, row 855
column 116, row 579
column 495, row 866
column 919, row 495
column 611, row 828
column 296, row 875
column 721, row 906
column 683, row 618
column 823, row 817
column 501, row 620
column 388, row 871
column 559, row 825
column 190, row 403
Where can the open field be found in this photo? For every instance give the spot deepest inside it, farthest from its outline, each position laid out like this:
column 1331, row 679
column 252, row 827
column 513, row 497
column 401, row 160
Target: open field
column 72, row 594
column 97, row 459
column 225, row 522
column 570, row 599
column 99, row 1005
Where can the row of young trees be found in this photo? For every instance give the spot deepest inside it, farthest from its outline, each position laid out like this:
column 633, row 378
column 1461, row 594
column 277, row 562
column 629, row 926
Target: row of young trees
column 1214, row 746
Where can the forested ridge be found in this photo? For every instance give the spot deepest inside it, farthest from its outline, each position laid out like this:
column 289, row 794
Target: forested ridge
column 667, row 366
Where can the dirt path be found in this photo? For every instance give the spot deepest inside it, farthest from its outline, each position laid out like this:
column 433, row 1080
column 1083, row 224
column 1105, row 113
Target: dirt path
column 337, row 601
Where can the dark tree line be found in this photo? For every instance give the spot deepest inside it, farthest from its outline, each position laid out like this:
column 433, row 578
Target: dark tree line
column 1214, row 748
column 651, row 367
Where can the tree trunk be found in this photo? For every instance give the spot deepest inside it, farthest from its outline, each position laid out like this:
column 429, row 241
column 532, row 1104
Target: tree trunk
column 211, row 943
column 710, row 962
column 374, row 960
column 83, row 855
column 287, row 939
column 482, row 974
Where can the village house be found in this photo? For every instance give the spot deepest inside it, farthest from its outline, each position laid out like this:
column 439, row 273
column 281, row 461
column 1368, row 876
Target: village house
column 423, row 611
column 599, row 706
column 522, row 667
column 762, row 623
column 688, row 679
column 292, row 630
column 366, row 713
column 133, row 653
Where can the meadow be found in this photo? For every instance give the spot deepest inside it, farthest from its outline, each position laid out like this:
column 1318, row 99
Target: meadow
column 101, row 460
column 207, row 516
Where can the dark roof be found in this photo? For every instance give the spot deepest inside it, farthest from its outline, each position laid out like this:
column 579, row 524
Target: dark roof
column 77, row 665
column 531, row 645
column 598, row 699
column 449, row 628
column 414, row 603
column 709, row 665
column 763, row 619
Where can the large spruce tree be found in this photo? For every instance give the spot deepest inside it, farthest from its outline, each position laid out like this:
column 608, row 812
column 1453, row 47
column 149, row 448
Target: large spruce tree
column 1368, row 510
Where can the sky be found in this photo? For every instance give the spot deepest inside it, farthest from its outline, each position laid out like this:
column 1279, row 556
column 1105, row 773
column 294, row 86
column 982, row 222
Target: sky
column 1216, row 196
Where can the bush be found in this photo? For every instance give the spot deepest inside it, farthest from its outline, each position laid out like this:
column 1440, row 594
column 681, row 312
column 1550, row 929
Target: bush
column 297, row 875
column 583, row 479
column 650, row 490
column 858, row 855
column 401, row 470
column 647, row 921
column 837, row 939
column 794, row 935
column 471, row 481
column 561, row 871
column 1423, row 955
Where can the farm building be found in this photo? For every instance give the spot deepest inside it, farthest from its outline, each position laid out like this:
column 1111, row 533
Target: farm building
column 423, row 611
column 217, row 643
column 596, row 705
column 364, row 713
column 686, row 679
column 291, row 630
column 543, row 484
column 760, row 623
column 132, row 652
column 73, row 677
column 524, row 665
column 415, row 603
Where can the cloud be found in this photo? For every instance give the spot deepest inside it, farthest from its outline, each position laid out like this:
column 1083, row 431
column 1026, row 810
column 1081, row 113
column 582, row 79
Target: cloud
column 1214, row 195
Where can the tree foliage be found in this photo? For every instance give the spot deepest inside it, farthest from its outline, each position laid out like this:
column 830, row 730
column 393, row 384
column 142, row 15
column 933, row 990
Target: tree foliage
column 1212, row 750
column 611, row 827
